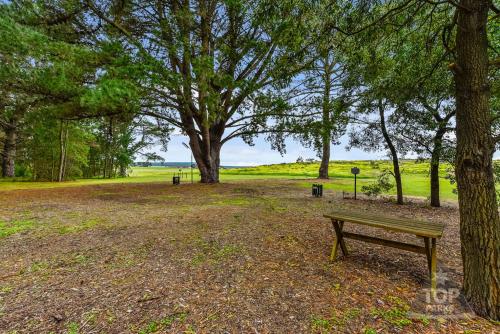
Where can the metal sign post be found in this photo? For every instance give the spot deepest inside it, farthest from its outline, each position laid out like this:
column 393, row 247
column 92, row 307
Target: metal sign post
column 355, row 171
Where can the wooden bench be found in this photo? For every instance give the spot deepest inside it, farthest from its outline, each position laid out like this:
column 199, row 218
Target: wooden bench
column 428, row 231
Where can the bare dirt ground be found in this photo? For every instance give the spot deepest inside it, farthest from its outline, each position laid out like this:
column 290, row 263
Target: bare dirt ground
column 241, row 257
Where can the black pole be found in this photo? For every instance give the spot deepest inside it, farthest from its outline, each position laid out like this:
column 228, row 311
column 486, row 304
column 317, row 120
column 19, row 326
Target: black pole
column 354, row 186
column 191, row 167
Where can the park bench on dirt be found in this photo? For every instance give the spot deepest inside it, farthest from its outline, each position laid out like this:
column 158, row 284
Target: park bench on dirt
column 428, row 231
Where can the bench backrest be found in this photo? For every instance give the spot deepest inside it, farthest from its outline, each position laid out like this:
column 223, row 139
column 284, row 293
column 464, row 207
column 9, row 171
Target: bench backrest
column 417, row 227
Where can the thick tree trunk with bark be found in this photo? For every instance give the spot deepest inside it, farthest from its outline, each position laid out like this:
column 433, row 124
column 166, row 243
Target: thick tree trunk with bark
column 9, row 149
column 435, row 201
column 326, row 135
column 435, row 161
column 209, row 170
column 479, row 219
column 206, row 151
column 394, row 154
column 325, row 160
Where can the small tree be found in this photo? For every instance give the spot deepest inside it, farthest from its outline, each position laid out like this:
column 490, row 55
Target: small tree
column 423, row 128
column 382, row 185
column 319, row 96
column 375, row 131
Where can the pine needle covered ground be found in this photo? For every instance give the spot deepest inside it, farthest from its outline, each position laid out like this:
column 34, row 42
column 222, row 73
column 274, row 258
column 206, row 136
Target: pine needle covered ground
column 239, row 257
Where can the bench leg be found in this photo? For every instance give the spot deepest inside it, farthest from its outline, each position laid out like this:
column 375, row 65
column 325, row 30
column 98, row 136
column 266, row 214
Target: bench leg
column 339, row 239
column 433, row 266
column 342, row 242
column 333, row 254
column 430, row 251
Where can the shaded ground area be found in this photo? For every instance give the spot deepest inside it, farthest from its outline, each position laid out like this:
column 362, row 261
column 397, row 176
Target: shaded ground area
column 241, row 257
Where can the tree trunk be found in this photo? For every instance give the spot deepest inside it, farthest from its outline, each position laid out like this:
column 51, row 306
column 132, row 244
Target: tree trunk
column 325, row 160
column 435, row 161
column 105, row 166
column 435, row 202
column 123, row 170
column 110, row 149
column 397, row 177
column 9, row 149
column 479, row 219
column 63, row 136
column 394, row 154
column 209, row 174
column 207, row 157
column 326, row 134
column 209, row 171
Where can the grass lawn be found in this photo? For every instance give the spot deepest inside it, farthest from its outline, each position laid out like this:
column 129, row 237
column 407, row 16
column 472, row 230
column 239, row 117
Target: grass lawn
column 236, row 257
column 138, row 175
column 415, row 176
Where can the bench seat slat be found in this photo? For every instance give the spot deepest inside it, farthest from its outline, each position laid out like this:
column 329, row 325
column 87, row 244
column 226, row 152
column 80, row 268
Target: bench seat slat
column 419, row 228
column 390, row 220
column 432, row 233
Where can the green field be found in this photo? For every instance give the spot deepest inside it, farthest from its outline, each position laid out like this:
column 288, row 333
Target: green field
column 415, row 176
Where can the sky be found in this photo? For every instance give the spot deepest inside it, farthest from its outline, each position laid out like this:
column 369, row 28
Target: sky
column 237, row 153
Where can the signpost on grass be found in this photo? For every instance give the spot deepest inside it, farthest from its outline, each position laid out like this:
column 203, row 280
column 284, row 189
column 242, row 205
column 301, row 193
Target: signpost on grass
column 355, row 171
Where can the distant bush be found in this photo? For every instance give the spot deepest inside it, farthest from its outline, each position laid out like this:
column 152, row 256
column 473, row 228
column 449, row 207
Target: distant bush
column 22, row 170
column 383, row 184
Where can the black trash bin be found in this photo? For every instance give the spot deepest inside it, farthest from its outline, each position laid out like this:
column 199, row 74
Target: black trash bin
column 176, row 180
column 317, row 190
